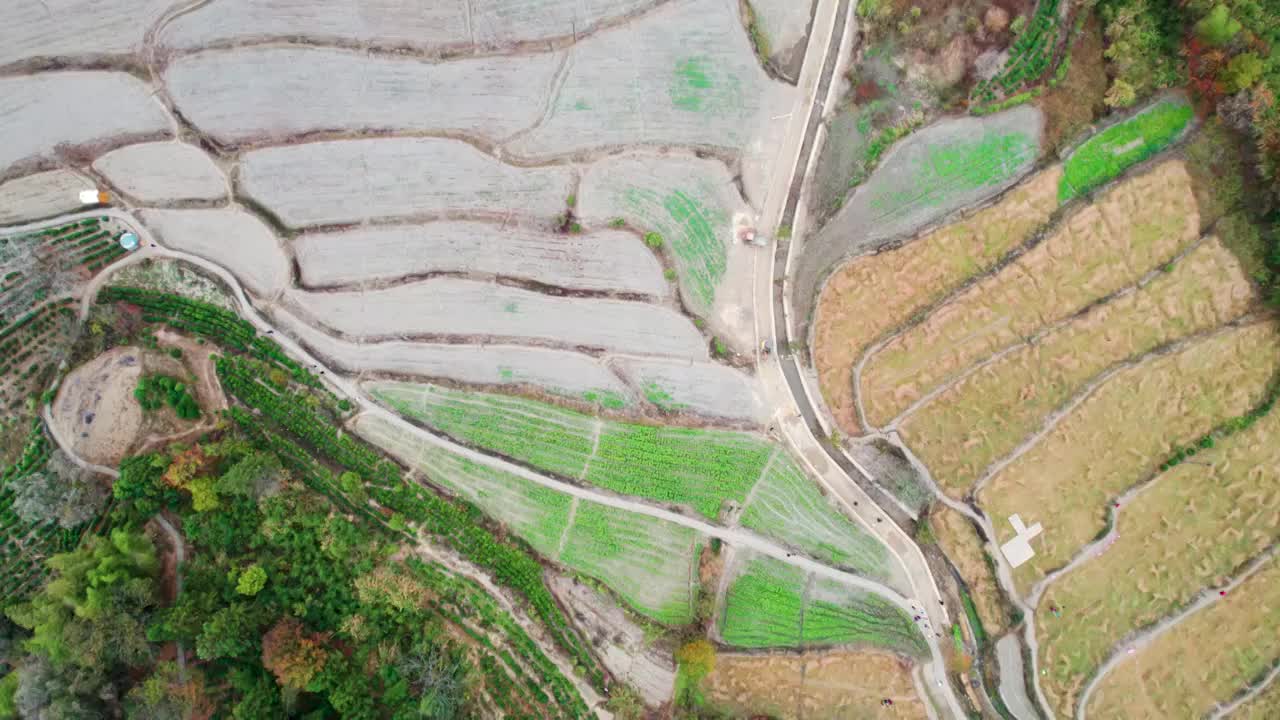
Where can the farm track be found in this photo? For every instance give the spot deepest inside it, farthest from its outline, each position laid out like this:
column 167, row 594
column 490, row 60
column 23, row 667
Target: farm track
column 1225, row 710
column 1139, row 639
column 367, row 406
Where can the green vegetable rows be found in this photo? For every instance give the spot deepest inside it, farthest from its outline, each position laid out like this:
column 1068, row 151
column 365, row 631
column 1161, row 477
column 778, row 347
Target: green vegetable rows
column 788, row 506
column 699, row 468
column 1104, row 156
column 771, row 604
column 1030, row 57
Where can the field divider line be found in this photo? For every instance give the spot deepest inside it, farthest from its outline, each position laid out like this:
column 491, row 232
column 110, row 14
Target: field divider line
column 1221, row 711
column 736, row 517
column 1140, row 638
column 568, row 527
column 1065, row 410
column 595, row 448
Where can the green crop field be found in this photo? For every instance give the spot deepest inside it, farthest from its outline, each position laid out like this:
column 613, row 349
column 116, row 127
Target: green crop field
column 788, row 506
column 698, row 468
column 955, row 167
column 555, row 440
column 1104, row 156
column 691, row 223
column 771, row 604
column 651, row 563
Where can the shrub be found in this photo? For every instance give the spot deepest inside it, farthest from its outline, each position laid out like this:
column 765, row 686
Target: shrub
column 653, row 240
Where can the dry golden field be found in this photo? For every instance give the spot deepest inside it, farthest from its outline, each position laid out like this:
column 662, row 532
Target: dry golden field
column 982, row 418
column 873, row 294
column 835, row 685
column 959, row 540
column 1118, row 437
column 1138, row 226
column 1228, row 645
column 1195, row 527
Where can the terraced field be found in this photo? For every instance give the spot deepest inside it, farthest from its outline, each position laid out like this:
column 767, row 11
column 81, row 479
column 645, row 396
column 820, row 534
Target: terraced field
column 769, row 604
column 707, row 471
column 1195, row 527
column 650, row 563
column 1104, row 156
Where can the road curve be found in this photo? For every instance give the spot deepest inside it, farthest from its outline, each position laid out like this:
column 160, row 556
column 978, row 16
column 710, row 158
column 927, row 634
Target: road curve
column 833, row 26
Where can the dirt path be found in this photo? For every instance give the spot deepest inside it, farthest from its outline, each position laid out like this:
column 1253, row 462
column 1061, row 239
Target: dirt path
column 1225, row 710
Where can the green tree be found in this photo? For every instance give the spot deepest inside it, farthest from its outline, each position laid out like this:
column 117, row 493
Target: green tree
column 1218, row 27
column 252, row 580
column 232, row 632
column 9, row 688
column 91, row 613
column 141, row 485
column 1243, row 72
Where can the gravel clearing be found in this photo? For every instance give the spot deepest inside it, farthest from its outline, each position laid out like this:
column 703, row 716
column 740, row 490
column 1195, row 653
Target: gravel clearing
column 688, row 201
column 349, row 181
column 38, row 28
column 438, row 25
column 41, row 195
column 605, row 260
column 77, row 108
column 252, row 94
column 232, row 238
column 684, row 74
column 95, row 409
column 449, row 306
column 560, row 372
column 934, row 171
column 696, row 387
column 163, row 172
column 621, row 643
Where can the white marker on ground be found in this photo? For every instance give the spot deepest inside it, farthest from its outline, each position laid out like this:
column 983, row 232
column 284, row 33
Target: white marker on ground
column 1018, row 550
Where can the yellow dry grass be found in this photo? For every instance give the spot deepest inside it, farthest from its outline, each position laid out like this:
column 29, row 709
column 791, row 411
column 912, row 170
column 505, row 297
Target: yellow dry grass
column 1263, row 706
column 1206, row 659
column 1194, row 528
column 872, row 294
column 960, row 541
column 1137, row 226
column 814, row 686
column 962, row 431
column 1120, row 434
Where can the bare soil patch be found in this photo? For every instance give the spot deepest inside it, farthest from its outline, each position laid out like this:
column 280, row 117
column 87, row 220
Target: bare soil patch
column 814, row 685
column 1120, row 434
column 961, row 432
column 1073, row 105
column 95, row 409
column 1139, row 225
column 621, row 643
column 1195, row 528
column 870, row 295
column 1230, row 653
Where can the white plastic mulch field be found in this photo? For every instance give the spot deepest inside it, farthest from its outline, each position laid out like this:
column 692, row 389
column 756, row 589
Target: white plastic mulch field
column 73, row 108
column 453, row 307
column 349, row 181
column 162, row 172
column 606, row 260
column 231, row 238
column 42, row 195
column 700, row 388
column 260, row 93
column 74, row 28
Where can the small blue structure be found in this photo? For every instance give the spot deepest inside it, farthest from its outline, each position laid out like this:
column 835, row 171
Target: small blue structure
column 129, row 241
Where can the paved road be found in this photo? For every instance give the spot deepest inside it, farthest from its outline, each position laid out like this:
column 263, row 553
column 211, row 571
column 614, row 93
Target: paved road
column 1012, row 688
column 834, row 25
